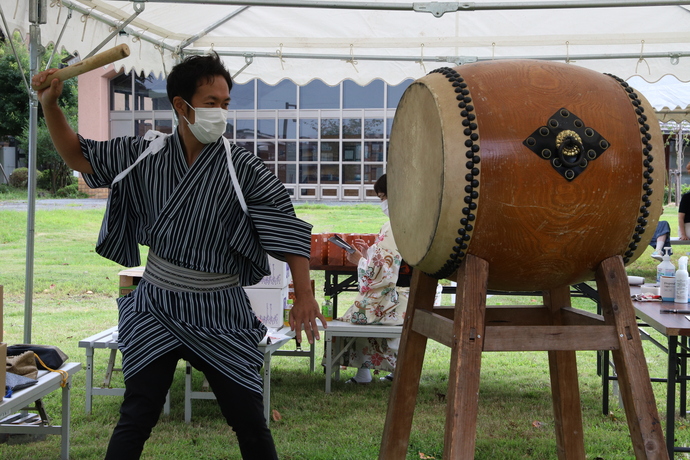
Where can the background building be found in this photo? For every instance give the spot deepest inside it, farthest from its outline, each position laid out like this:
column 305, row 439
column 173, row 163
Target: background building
column 323, row 142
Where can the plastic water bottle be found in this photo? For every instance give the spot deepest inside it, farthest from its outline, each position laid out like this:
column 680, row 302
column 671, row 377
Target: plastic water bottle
column 665, row 268
column 682, row 281
column 327, row 308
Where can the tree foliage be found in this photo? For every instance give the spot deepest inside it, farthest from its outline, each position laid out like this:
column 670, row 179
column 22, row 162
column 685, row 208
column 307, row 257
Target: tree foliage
column 13, row 96
column 14, row 100
column 48, row 157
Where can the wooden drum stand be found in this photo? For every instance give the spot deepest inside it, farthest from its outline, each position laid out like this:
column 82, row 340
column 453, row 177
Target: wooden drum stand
column 472, row 328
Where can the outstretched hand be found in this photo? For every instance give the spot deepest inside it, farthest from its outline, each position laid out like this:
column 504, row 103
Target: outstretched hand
column 303, row 317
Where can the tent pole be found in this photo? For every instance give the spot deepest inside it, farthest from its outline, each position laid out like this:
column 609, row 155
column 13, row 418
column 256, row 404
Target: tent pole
column 436, row 8
column 38, row 8
column 679, row 161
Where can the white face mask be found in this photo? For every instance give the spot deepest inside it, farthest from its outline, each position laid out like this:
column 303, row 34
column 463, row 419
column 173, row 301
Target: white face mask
column 209, row 125
column 384, row 207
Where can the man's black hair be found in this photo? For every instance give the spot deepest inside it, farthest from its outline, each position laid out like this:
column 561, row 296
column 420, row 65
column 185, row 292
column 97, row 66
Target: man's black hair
column 194, row 71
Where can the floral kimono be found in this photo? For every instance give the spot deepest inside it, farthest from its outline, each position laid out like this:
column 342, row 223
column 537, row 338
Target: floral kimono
column 378, row 302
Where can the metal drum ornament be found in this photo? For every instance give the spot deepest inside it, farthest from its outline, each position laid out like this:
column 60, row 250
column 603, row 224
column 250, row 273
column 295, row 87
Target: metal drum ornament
column 542, row 169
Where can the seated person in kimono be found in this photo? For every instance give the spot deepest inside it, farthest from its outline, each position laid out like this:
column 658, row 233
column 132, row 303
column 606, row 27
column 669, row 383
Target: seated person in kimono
column 209, row 212
column 378, row 301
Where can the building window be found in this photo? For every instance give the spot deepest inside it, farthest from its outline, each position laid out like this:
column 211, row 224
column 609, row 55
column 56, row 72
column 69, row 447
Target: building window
column 121, row 92
column 280, row 96
column 245, row 129
column 318, row 95
column 150, row 94
column 330, row 128
column 330, row 151
column 352, row 128
column 308, row 173
column 323, row 142
column 242, row 96
column 308, row 129
column 362, row 97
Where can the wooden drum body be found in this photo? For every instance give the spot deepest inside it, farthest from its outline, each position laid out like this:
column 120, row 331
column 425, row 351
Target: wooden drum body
column 542, row 169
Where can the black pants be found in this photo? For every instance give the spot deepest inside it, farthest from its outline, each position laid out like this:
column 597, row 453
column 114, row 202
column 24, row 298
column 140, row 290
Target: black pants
column 145, row 396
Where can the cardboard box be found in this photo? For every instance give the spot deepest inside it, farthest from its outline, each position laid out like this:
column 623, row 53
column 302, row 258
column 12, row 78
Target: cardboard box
column 3, row 370
column 129, row 279
column 336, row 255
column 319, row 249
column 268, row 305
column 278, row 279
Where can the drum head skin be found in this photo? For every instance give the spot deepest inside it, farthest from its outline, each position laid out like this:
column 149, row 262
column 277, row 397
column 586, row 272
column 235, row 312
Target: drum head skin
column 542, row 169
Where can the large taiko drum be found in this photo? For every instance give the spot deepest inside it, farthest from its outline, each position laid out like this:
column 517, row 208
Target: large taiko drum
column 542, row 169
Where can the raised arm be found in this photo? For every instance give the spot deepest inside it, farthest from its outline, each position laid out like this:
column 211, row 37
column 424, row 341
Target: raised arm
column 64, row 138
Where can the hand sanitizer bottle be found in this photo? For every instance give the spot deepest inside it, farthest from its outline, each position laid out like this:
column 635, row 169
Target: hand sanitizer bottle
column 665, row 268
column 682, row 281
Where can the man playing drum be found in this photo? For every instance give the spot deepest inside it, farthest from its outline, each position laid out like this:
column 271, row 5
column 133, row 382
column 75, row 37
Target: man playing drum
column 209, row 212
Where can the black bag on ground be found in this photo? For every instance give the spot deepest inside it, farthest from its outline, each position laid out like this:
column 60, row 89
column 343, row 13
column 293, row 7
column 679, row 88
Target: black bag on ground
column 51, row 355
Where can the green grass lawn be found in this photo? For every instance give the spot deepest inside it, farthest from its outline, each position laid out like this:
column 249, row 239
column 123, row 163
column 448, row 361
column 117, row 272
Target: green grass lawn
column 74, row 297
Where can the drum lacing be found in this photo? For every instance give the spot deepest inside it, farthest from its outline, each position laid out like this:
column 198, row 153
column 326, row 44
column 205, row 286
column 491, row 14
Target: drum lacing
column 647, row 162
column 473, row 159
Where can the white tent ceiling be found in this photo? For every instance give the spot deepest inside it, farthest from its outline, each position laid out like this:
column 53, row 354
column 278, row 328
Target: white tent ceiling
column 669, row 97
column 345, row 39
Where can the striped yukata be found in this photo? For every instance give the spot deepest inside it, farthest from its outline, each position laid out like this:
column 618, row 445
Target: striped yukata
column 191, row 217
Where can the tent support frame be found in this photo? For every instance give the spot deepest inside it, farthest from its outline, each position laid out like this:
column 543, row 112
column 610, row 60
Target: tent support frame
column 36, row 50
column 435, row 8
column 674, row 56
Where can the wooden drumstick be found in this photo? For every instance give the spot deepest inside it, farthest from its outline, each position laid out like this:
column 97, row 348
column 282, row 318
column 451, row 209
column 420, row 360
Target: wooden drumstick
column 97, row 60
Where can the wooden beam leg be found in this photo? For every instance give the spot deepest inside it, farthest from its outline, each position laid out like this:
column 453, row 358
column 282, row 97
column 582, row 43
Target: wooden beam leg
column 466, row 356
column 633, row 376
column 565, row 390
column 408, row 369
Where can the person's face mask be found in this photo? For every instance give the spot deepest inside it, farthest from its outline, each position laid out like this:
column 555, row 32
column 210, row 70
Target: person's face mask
column 209, row 124
column 384, row 206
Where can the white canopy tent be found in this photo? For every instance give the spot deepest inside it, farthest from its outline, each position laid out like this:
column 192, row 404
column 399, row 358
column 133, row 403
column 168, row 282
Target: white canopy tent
column 669, row 97
column 364, row 40
column 357, row 40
